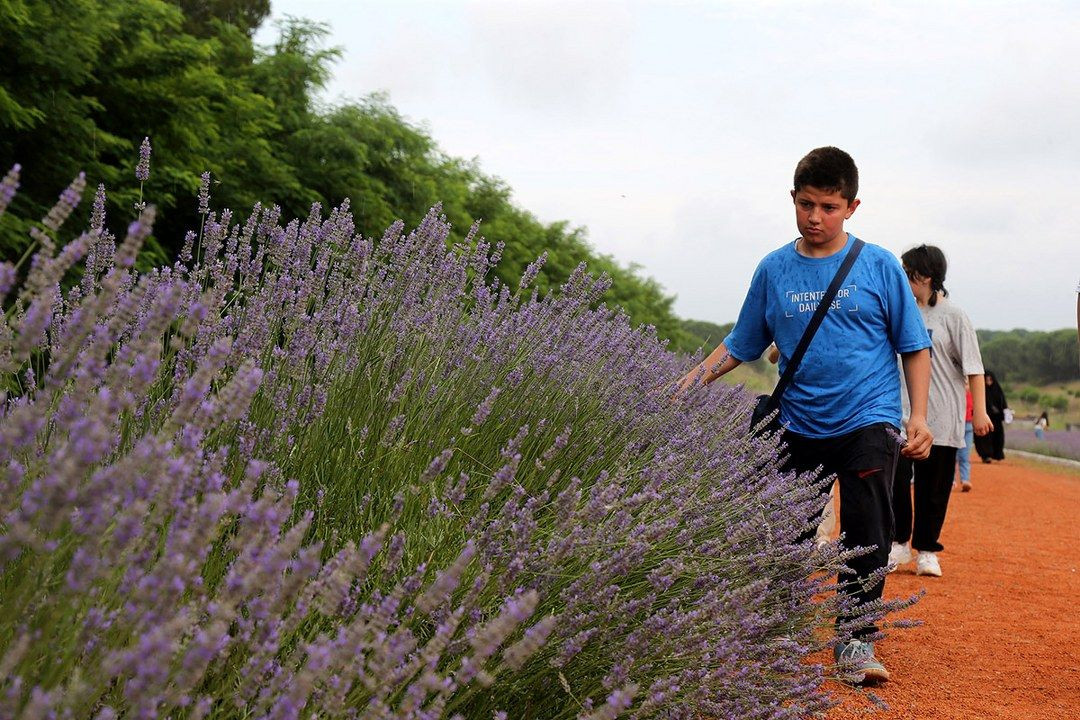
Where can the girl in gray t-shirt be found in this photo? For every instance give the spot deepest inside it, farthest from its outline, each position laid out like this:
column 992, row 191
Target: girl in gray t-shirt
column 954, row 357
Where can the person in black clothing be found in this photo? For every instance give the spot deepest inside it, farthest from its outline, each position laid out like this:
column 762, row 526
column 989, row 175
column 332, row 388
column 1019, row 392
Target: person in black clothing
column 992, row 446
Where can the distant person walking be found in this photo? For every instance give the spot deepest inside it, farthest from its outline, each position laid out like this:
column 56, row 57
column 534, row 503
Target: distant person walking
column 992, row 446
column 963, row 455
column 1041, row 425
column 954, row 358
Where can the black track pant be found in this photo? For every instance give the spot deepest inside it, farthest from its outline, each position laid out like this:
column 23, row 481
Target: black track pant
column 933, row 487
column 864, row 462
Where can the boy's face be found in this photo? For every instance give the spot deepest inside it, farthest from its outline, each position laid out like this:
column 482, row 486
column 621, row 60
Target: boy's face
column 820, row 216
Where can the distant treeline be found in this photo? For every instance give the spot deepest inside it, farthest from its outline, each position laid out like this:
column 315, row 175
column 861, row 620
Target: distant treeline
column 1028, row 356
column 83, row 81
column 1015, row 356
column 704, row 335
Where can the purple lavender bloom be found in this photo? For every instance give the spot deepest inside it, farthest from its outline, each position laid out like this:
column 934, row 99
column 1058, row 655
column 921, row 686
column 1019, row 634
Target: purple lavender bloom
column 7, row 277
column 484, row 409
column 210, row 463
column 69, row 199
column 437, row 465
column 9, row 186
column 204, row 193
column 142, row 169
column 97, row 213
column 532, row 271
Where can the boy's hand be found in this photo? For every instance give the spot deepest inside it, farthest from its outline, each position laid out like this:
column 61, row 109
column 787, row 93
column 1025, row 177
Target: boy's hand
column 919, row 440
column 981, row 424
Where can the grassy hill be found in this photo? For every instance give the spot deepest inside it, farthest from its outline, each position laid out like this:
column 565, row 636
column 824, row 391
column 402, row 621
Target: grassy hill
column 758, row 376
column 1061, row 402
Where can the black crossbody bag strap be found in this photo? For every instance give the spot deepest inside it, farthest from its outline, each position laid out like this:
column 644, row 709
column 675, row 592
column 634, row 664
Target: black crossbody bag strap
column 815, row 323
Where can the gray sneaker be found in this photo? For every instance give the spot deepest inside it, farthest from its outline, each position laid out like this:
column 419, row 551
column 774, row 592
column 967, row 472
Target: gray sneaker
column 858, row 664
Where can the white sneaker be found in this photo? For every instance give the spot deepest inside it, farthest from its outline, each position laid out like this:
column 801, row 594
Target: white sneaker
column 899, row 555
column 927, row 564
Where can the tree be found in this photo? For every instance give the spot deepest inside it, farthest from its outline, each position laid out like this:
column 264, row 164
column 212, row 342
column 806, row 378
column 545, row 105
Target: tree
column 87, row 80
column 1030, row 356
column 90, row 79
column 201, row 15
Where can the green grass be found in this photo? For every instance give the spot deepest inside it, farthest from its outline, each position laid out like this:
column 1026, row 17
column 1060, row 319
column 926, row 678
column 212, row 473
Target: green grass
column 1024, row 409
column 759, row 377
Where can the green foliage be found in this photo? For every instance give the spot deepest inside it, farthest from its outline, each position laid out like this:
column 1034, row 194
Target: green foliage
column 1054, row 402
column 88, row 80
column 202, row 15
column 85, row 80
column 1029, row 395
column 1026, row 356
column 704, row 334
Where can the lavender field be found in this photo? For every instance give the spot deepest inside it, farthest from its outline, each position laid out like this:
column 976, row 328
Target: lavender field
column 1057, row 443
column 304, row 473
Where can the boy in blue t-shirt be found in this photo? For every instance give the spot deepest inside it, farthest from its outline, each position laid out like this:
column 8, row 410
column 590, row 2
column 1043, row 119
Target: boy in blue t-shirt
column 842, row 408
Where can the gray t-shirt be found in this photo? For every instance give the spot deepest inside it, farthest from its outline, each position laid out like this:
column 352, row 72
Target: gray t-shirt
column 953, row 356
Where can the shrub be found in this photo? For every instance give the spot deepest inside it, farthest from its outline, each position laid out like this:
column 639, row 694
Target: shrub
column 299, row 472
column 1054, row 402
column 1030, row 395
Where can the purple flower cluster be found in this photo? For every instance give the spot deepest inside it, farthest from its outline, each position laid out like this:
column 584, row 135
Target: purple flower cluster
column 320, row 473
column 9, row 186
column 142, row 169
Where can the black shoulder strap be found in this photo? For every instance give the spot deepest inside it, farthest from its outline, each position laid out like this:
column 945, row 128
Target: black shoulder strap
column 815, row 322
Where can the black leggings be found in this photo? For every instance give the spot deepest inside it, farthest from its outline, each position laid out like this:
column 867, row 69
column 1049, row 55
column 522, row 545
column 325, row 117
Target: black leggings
column 933, row 487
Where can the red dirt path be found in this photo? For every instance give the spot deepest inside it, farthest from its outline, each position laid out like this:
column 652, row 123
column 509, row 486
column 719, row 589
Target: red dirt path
column 1001, row 637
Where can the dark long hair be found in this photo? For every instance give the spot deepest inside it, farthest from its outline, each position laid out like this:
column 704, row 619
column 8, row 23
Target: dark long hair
column 928, row 261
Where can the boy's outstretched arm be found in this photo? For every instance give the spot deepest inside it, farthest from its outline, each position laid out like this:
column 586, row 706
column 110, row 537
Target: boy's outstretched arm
column 917, row 377
column 718, row 363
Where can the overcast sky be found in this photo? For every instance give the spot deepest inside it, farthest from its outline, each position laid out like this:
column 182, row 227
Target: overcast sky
column 670, row 130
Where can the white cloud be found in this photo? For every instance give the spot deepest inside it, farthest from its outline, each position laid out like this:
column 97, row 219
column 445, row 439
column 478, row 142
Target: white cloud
column 552, row 56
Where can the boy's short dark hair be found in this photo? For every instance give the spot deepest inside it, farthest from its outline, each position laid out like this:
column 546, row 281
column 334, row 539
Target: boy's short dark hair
column 829, row 169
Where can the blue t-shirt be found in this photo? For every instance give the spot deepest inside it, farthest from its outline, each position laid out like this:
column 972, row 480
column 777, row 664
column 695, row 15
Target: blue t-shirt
column 848, row 378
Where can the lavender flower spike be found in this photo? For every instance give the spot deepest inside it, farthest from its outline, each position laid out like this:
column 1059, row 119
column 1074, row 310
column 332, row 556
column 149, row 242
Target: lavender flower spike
column 196, row 486
column 97, row 213
column 8, row 187
column 142, row 170
column 66, row 204
column 204, row 193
